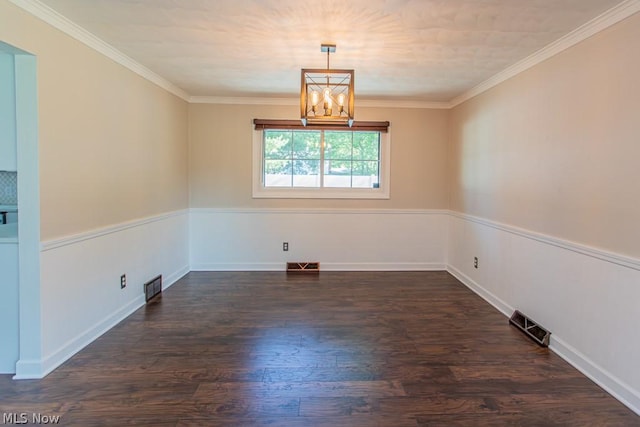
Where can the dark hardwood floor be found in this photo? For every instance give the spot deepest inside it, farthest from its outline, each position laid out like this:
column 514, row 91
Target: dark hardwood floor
column 338, row 349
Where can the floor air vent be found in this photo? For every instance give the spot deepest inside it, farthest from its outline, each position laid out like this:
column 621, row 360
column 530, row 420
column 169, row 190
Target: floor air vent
column 303, row 267
column 531, row 328
column 153, row 288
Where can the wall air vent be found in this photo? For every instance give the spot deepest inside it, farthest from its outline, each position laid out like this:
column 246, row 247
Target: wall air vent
column 536, row 332
column 153, row 288
column 303, row 267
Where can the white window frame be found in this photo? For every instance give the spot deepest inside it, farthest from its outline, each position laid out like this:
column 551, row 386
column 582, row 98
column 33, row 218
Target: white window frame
column 262, row 192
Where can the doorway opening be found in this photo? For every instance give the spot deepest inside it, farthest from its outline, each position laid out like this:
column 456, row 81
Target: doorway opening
column 21, row 326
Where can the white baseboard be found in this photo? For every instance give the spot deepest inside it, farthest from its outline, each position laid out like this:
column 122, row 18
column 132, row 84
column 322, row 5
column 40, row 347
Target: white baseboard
column 240, row 266
column 496, row 302
column 83, row 271
column 612, row 385
column 382, row 266
column 174, row 277
column 75, row 345
column 28, row 370
column 329, row 266
column 36, row 369
column 597, row 374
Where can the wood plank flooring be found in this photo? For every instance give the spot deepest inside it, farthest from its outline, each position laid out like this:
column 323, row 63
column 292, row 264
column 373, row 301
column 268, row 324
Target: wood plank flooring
column 339, row 349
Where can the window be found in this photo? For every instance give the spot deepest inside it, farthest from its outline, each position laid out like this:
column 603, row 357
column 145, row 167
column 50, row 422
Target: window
column 321, row 163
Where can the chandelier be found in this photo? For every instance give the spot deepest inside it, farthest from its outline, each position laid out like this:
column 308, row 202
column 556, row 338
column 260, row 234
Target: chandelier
column 326, row 96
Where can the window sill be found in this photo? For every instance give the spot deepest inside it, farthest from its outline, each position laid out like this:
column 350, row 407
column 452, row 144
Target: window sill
column 319, row 193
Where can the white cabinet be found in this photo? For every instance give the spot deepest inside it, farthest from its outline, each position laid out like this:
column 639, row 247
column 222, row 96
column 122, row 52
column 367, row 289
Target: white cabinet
column 8, row 153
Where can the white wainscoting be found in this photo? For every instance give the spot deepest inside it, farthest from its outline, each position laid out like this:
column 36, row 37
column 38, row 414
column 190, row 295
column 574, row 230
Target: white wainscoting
column 588, row 298
column 340, row 239
column 80, row 285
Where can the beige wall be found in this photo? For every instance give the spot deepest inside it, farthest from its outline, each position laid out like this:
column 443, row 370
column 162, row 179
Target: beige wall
column 220, row 157
column 553, row 150
column 556, row 149
column 113, row 146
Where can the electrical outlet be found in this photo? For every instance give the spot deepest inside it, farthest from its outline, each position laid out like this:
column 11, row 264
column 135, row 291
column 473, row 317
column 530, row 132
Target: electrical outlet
column 123, row 281
column 285, row 246
column 475, row 262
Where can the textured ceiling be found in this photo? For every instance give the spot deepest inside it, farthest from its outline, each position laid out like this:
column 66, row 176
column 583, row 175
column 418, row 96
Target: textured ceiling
column 426, row 50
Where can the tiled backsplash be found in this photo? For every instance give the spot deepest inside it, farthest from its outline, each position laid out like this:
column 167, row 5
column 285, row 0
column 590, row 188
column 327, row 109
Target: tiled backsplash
column 8, row 188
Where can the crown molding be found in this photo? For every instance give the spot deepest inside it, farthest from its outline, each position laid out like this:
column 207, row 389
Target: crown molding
column 390, row 103
column 611, row 17
column 242, row 100
column 53, row 18
column 601, row 22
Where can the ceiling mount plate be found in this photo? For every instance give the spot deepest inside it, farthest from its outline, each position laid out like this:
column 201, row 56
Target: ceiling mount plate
column 328, row 48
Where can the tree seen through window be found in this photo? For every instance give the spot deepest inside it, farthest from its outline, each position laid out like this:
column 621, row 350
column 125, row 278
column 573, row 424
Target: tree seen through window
column 337, row 159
